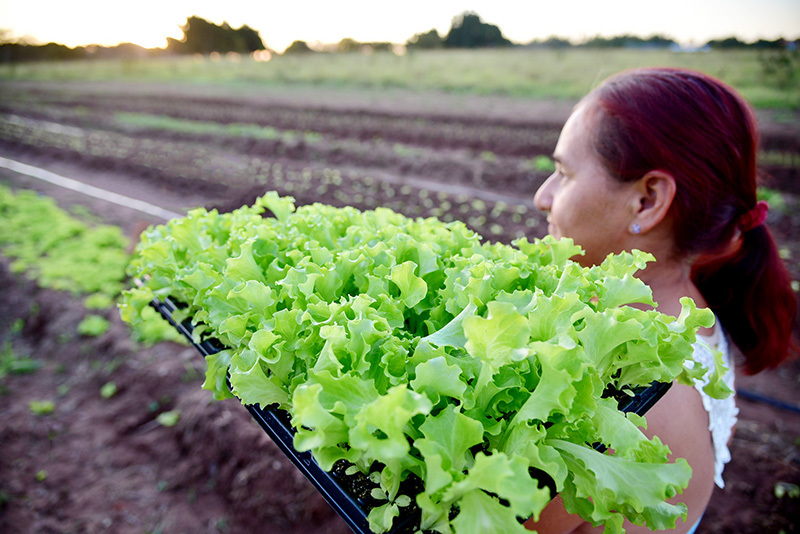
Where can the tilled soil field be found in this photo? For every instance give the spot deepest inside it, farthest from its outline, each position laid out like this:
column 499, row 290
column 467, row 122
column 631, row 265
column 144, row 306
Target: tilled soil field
column 100, row 464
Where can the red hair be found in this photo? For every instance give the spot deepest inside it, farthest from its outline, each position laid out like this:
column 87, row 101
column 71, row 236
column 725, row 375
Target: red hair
column 705, row 135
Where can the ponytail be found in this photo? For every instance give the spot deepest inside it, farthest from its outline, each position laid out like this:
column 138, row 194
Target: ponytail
column 749, row 289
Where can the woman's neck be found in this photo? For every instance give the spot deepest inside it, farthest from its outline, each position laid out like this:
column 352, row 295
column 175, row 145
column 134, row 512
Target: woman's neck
column 669, row 282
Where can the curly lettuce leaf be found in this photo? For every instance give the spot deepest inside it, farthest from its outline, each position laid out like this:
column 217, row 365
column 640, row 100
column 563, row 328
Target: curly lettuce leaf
column 411, row 347
column 603, row 488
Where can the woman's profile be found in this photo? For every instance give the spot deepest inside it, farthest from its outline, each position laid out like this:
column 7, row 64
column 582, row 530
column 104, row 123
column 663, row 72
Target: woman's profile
column 664, row 160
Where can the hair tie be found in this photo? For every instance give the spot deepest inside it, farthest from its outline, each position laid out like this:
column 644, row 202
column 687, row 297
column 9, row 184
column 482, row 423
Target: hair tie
column 755, row 217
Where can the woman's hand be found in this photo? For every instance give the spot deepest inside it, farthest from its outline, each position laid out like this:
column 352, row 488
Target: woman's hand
column 681, row 422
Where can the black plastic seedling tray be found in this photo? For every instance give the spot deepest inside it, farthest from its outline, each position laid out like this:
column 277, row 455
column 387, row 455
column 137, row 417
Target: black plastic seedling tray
column 351, row 507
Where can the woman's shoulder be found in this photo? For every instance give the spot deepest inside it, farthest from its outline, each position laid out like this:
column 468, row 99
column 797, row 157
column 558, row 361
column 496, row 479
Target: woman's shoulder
column 680, row 421
column 680, row 413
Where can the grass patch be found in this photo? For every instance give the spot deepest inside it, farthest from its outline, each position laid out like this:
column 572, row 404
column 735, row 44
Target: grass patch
column 93, row 326
column 520, row 72
column 13, row 364
column 195, row 127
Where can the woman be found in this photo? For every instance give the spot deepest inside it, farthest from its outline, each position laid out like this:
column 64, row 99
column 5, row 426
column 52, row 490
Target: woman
column 664, row 160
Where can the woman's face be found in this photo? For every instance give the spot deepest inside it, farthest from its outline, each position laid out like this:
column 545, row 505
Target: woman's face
column 582, row 200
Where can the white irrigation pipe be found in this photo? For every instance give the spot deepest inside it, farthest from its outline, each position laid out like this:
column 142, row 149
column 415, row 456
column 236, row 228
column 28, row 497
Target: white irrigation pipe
column 80, row 187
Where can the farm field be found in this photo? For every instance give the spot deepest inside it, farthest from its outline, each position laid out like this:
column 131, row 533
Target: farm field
column 104, row 463
column 767, row 78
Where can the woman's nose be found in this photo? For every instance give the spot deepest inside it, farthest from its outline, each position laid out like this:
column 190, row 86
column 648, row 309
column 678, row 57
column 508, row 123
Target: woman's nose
column 543, row 199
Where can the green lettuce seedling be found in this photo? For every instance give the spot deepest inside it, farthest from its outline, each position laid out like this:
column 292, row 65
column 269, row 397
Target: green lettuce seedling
column 414, row 348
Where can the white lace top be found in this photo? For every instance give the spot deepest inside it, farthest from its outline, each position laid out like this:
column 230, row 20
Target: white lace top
column 721, row 412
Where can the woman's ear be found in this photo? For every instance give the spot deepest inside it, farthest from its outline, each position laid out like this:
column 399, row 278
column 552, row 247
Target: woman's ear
column 655, row 192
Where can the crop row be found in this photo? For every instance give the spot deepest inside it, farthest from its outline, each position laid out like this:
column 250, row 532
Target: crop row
column 501, row 137
column 378, row 147
column 234, row 177
column 60, row 250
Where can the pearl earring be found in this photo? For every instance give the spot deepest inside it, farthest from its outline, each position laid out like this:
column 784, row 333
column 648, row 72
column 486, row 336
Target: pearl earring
column 635, row 228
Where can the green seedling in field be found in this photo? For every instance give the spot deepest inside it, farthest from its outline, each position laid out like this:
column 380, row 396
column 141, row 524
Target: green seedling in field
column 779, row 158
column 98, row 301
column 543, row 163
column 42, row 407
column 406, row 151
column 11, row 364
column 488, row 156
column 93, row 326
column 496, row 229
column 776, row 200
column 787, row 489
column 59, row 251
column 108, row 390
column 253, row 131
column 384, row 337
column 154, row 329
column 169, row 418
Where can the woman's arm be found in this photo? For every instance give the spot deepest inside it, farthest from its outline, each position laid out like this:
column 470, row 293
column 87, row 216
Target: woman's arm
column 681, row 422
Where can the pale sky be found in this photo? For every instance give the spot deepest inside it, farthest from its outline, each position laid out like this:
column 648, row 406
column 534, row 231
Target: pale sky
column 149, row 22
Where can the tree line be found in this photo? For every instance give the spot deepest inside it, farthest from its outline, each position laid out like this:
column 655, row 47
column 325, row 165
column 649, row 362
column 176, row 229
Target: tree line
column 199, row 37
column 467, row 31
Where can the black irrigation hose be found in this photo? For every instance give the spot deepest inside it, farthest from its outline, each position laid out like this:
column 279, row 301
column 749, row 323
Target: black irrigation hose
column 757, row 397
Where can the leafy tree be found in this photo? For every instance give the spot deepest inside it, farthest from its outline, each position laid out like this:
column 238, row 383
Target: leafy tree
column 777, row 44
column 121, row 51
column 203, row 37
column 15, row 52
column 551, row 42
column 380, row 46
column 298, row 47
column 726, row 44
column 175, row 46
column 57, row 52
column 469, row 31
column 348, row 45
column 250, row 38
column 557, row 42
column 660, row 41
column 428, row 40
column 629, row 41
